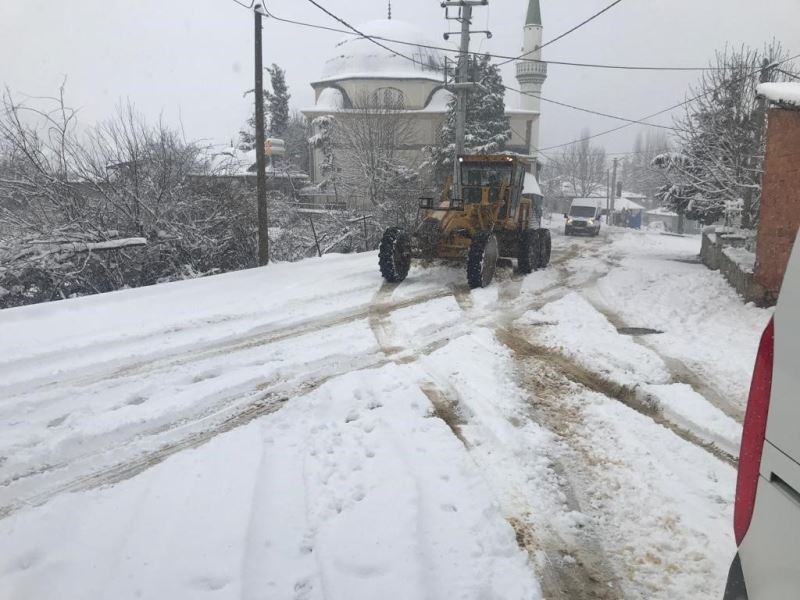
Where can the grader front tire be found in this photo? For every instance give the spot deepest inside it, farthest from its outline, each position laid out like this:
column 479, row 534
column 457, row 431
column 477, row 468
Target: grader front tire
column 394, row 256
column 482, row 259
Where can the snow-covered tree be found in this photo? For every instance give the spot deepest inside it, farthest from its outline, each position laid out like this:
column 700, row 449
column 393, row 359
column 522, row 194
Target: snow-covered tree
column 720, row 137
column 276, row 113
column 487, row 128
column 277, row 102
column 324, row 128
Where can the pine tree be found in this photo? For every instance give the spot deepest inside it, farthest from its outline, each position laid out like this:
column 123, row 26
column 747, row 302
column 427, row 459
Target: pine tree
column 278, row 102
column 487, row 128
column 276, row 115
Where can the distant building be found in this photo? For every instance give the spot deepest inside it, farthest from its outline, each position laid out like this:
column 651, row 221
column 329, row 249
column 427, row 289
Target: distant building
column 358, row 67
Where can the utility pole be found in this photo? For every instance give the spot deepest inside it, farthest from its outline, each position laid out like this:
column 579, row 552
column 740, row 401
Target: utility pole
column 462, row 83
column 613, row 190
column 261, row 176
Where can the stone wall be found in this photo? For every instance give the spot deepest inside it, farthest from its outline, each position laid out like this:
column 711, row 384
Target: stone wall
column 741, row 278
column 780, row 199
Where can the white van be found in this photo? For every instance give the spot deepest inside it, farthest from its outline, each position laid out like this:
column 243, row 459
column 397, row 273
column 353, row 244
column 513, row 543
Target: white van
column 766, row 520
column 583, row 217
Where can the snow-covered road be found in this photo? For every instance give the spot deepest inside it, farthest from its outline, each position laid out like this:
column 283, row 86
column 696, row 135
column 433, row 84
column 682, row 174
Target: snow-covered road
column 305, row 431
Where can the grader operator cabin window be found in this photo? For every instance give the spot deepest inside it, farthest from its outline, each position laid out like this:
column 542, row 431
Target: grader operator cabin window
column 492, row 176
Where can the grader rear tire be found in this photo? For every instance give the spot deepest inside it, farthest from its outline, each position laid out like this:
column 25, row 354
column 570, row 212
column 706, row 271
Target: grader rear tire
column 529, row 248
column 545, row 248
column 394, row 256
column 482, row 259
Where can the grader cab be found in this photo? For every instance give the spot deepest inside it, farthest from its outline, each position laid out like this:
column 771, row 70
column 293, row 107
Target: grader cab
column 492, row 219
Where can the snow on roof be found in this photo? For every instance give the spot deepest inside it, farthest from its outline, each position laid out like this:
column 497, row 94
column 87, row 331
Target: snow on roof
column 357, row 57
column 439, row 101
column 785, row 93
column 330, row 99
column 531, row 186
column 620, row 203
column 662, row 212
column 632, row 195
column 591, row 201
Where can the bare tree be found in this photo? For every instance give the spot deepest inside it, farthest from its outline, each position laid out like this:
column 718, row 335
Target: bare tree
column 370, row 140
column 581, row 166
column 638, row 173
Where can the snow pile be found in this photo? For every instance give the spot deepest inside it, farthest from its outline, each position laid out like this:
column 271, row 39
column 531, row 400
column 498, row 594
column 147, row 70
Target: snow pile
column 784, row 93
column 685, row 407
column 705, row 324
column 680, row 545
column 352, row 492
column 742, row 257
column 574, row 328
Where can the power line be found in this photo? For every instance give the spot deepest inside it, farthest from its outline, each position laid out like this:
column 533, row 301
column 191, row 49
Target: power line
column 588, row 110
column 668, row 109
column 566, row 33
column 489, row 54
column 374, row 39
column 365, row 36
column 628, row 123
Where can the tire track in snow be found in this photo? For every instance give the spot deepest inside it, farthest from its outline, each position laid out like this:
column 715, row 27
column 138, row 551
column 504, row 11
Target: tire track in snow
column 570, row 571
column 176, row 357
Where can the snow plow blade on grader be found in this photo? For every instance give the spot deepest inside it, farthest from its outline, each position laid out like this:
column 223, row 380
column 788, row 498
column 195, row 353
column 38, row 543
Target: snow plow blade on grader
column 492, row 219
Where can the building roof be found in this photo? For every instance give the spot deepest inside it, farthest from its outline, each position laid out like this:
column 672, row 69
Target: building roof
column 534, row 13
column 589, row 201
column 782, row 93
column 621, row 203
column 662, row 212
column 356, row 57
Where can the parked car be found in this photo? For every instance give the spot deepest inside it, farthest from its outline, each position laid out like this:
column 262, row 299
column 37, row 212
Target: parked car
column 767, row 510
column 583, row 217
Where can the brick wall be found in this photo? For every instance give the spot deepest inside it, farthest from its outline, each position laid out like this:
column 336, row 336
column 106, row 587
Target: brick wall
column 780, row 199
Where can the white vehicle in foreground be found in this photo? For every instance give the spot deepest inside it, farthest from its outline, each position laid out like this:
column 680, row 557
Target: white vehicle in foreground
column 767, row 512
column 583, row 217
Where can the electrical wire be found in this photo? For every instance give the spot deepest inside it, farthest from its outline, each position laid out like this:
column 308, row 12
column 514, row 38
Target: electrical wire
column 668, row 109
column 588, row 110
column 272, row 15
column 628, row 123
column 566, row 33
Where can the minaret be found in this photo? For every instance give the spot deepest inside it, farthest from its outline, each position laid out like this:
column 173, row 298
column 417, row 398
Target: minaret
column 531, row 75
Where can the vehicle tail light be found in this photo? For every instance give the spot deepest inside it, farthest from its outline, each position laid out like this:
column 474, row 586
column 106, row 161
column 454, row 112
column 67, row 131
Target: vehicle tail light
column 753, row 434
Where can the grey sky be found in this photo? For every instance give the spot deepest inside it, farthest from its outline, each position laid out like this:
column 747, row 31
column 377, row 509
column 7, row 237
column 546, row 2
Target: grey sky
column 193, row 59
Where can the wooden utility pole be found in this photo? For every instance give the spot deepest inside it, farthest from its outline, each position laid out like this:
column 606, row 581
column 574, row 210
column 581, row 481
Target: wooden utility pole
column 261, row 176
column 613, row 191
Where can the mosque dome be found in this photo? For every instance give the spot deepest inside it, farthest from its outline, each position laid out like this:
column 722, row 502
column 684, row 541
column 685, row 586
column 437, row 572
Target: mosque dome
column 357, row 57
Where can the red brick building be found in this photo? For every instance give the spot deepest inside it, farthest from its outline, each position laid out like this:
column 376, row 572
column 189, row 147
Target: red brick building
column 780, row 194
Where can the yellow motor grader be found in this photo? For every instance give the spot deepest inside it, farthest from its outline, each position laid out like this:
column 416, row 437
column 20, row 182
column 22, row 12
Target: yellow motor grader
column 492, row 219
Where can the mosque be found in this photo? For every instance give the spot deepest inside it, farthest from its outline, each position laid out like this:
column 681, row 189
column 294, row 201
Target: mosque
column 358, row 67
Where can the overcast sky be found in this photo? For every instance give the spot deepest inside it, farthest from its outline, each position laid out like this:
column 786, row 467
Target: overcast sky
column 191, row 61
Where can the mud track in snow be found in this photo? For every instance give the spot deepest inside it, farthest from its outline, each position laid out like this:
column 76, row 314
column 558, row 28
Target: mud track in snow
column 569, row 571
